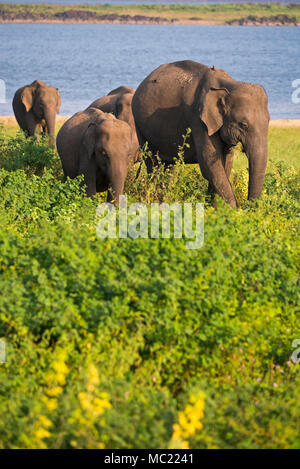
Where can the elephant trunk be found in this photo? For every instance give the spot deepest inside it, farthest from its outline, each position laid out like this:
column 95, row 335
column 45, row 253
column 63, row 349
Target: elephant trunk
column 50, row 116
column 257, row 153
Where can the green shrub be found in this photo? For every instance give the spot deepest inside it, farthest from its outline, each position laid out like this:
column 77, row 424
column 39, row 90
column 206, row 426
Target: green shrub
column 24, row 153
column 109, row 342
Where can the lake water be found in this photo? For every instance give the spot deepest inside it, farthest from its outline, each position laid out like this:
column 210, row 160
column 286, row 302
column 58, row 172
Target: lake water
column 87, row 61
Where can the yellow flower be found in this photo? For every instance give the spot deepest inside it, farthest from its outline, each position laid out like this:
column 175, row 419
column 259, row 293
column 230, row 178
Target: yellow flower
column 41, row 433
column 93, row 375
column 184, row 445
column 54, row 391
column 86, row 416
column 44, row 421
column 60, row 367
column 189, row 421
column 61, row 378
column 84, row 400
column 51, row 404
column 101, row 404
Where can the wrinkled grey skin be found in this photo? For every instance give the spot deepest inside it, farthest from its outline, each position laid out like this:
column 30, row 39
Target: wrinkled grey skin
column 35, row 106
column 220, row 112
column 118, row 102
column 99, row 146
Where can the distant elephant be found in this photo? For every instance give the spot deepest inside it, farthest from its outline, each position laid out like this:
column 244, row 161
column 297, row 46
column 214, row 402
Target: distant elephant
column 118, row 102
column 220, row 112
column 36, row 105
column 99, row 146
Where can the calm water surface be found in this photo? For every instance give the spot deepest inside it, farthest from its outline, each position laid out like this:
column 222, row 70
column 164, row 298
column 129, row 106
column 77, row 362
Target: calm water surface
column 87, row 61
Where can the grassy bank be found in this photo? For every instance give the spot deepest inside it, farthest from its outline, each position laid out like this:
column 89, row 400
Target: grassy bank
column 283, row 138
column 183, row 13
column 143, row 343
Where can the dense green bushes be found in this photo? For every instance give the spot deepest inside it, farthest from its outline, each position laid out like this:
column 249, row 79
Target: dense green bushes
column 112, row 342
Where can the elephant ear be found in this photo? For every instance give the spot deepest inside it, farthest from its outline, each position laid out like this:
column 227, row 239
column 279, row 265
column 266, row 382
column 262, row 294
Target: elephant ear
column 27, row 97
column 87, row 148
column 58, row 104
column 212, row 109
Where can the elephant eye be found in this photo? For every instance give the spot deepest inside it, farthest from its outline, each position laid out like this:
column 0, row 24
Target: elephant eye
column 243, row 125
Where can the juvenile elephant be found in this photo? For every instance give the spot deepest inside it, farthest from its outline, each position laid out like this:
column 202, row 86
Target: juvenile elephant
column 36, row 105
column 99, row 146
column 118, row 102
column 220, row 112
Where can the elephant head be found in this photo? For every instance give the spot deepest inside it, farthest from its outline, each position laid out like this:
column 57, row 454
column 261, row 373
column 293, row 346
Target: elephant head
column 104, row 153
column 44, row 102
column 240, row 114
column 118, row 102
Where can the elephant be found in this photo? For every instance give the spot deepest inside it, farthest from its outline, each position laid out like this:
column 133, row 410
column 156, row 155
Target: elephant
column 99, row 146
column 36, row 105
column 220, row 112
column 118, row 102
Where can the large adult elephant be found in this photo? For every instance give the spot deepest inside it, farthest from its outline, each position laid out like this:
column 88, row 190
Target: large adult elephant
column 35, row 106
column 220, row 112
column 99, row 146
column 118, row 102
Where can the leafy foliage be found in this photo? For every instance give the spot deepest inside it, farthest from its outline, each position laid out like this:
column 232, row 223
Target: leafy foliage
column 142, row 343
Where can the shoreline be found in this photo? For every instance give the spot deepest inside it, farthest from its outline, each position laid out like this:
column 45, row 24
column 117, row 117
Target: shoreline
column 60, row 119
column 153, row 21
column 145, row 22
column 244, row 14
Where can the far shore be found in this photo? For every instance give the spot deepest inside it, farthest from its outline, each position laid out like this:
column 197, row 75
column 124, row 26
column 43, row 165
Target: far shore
column 157, row 21
column 10, row 120
column 245, row 14
column 146, row 21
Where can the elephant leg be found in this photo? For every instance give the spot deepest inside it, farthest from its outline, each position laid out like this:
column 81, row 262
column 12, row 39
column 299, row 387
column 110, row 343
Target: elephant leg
column 211, row 160
column 151, row 163
column 211, row 189
column 44, row 128
column 167, row 166
column 38, row 131
column 31, row 125
column 150, row 160
column 227, row 163
column 102, row 181
column 110, row 196
column 90, row 178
